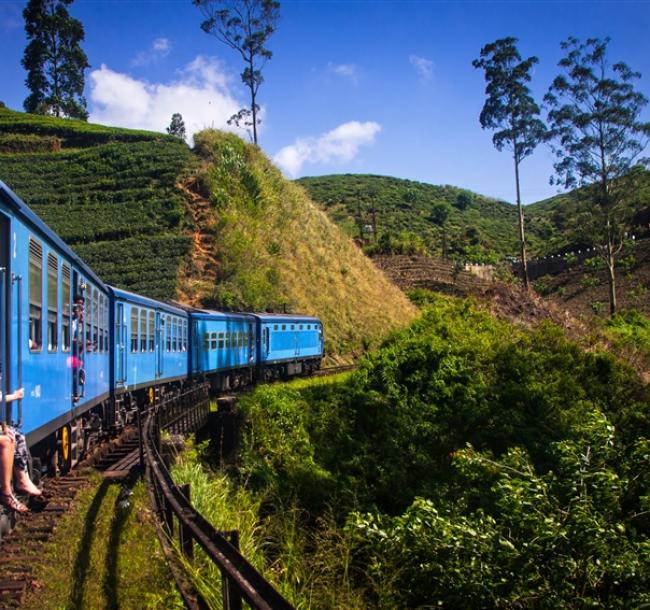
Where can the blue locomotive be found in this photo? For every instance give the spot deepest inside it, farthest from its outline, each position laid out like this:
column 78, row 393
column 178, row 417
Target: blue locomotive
column 89, row 355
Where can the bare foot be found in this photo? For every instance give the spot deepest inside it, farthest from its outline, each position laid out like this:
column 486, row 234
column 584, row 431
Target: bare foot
column 24, row 485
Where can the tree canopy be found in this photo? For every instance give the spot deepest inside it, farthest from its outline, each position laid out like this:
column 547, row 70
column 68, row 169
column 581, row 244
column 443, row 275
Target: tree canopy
column 54, row 60
column 598, row 139
column 245, row 26
column 511, row 110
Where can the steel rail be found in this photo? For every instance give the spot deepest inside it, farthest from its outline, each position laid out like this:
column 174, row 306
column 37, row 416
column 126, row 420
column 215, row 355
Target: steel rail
column 240, row 580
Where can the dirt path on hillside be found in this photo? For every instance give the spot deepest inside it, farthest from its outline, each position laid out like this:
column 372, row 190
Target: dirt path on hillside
column 198, row 275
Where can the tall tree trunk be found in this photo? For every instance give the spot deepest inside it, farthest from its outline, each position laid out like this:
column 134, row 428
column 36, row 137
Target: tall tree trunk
column 253, row 100
column 522, row 238
column 611, row 271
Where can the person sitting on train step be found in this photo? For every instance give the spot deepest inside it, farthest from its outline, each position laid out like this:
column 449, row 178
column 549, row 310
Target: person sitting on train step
column 7, row 452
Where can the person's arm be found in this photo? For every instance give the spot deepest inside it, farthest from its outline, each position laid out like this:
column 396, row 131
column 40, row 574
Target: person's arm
column 17, row 395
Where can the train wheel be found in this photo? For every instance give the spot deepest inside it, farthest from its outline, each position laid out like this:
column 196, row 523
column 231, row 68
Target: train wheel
column 64, row 448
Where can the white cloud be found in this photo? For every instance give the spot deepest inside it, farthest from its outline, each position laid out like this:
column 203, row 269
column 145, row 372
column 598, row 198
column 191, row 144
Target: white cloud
column 339, row 144
column 423, row 66
column 345, row 70
column 200, row 93
column 160, row 48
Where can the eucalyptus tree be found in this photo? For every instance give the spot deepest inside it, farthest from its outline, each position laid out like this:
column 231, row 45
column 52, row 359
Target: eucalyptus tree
column 511, row 110
column 598, row 139
column 245, row 26
column 54, row 60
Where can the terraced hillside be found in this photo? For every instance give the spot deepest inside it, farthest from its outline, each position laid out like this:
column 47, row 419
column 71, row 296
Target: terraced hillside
column 217, row 226
column 109, row 193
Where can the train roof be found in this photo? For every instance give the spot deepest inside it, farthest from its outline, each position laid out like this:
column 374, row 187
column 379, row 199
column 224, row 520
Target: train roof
column 22, row 210
column 132, row 297
column 286, row 317
column 211, row 313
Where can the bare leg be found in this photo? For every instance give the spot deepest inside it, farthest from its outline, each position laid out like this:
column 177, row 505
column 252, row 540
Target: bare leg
column 7, row 447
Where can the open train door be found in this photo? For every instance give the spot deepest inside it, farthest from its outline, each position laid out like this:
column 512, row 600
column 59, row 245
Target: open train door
column 5, row 329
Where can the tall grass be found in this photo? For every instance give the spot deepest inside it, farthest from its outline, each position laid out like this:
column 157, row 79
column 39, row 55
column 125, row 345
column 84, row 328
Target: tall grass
column 308, row 563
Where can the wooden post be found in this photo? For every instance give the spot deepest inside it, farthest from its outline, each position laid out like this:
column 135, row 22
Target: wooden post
column 231, row 596
column 184, row 532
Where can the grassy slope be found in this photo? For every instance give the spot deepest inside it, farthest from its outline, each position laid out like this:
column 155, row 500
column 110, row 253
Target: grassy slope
column 112, row 195
column 276, row 247
column 104, row 554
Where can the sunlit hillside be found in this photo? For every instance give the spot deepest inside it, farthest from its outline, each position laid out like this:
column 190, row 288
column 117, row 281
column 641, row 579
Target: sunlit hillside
column 217, row 227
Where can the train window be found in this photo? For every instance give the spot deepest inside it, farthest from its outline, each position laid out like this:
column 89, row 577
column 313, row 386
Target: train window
column 95, row 341
column 35, row 295
column 242, row 341
column 206, row 341
column 100, row 323
column 300, row 327
column 65, row 309
column 106, row 324
column 184, row 335
column 134, row 329
column 143, row 330
column 175, row 342
column 168, row 333
column 222, row 341
column 284, row 327
column 213, row 341
column 89, row 320
column 52, row 302
column 293, row 327
column 275, row 327
column 152, row 331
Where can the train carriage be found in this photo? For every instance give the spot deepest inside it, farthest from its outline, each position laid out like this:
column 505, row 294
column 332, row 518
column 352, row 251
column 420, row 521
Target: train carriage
column 53, row 333
column 288, row 345
column 150, row 340
column 223, row 347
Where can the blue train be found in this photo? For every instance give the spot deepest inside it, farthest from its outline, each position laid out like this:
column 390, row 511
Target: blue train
column 89, row 355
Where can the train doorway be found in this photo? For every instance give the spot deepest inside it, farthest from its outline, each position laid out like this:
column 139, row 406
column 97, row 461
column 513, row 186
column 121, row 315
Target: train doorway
column 5, row 304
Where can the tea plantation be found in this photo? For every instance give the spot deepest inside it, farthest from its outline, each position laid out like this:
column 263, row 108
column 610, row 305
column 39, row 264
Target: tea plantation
column 109, row 193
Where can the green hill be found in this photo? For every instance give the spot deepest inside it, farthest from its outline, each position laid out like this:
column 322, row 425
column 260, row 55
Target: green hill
column 217, row 226
column 417, row 216
column 551, row 222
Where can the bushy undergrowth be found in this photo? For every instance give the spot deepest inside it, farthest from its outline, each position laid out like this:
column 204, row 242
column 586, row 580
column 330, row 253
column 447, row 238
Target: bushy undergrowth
column 631, row 328
column 476, row 465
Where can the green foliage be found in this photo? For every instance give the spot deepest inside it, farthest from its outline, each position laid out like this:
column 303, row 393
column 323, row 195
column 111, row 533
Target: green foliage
column 54, row 60
column 476, row 465
column 177, row 126
column 630, row 328
column 561, row 539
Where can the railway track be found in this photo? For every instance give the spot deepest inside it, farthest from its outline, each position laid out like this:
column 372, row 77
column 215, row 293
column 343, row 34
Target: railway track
column 19, row 548
column 333, row 370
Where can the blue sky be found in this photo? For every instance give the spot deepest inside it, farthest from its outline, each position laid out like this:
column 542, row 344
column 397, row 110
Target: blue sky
column 382, row 87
